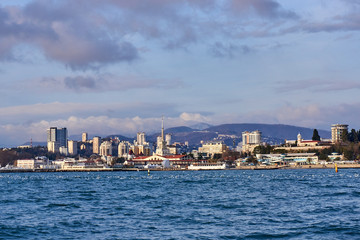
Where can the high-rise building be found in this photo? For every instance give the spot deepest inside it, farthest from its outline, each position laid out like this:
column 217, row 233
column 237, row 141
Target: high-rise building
column 251, row 137
column 337, row 131
column 84, row 137
column 161, row 149
column 168, row 139
column 123, row 149
column 106, row 148
column 96, row 145
column 140, row 138
column 51, row 134
column 62, row 136
column 56, row 138
column 250, row 140
column 72, row 147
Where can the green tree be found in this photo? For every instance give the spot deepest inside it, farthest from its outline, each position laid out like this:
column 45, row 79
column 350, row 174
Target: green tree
column 316, row 136
column 344, row 136
column 353, row 136
column 252, row 159
column 263, row 149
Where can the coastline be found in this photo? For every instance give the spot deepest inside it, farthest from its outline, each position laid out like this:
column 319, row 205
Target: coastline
column 315, row 166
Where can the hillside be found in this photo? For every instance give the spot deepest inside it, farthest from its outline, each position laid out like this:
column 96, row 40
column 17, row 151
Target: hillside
column 271, row 133
column 280, row 131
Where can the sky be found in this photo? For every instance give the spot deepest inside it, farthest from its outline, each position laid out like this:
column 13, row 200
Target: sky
column 116, row 66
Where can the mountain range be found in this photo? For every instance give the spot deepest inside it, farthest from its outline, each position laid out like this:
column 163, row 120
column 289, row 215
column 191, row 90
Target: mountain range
column 271, row 133
column 229, row 133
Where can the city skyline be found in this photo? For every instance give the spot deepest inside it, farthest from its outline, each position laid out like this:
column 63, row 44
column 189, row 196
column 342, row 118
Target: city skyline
column 110, row 67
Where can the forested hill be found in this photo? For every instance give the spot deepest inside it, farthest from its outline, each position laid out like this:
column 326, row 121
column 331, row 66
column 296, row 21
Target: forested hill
column 271, row 130
column 272, row 133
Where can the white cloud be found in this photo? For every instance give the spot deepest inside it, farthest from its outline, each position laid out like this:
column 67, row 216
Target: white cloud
column 16, row 134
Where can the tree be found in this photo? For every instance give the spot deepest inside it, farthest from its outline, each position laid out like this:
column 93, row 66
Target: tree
column 263, row 149
column 353, row 136
column 344, row 136
column 252, row 160
column 316, row 136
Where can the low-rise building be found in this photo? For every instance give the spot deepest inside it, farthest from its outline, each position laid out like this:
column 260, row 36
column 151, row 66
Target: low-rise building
column 174, row 160
column 288, row 158
column 213, row 147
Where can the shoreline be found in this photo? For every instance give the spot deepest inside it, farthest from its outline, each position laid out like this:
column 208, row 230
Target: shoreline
column 317, row 166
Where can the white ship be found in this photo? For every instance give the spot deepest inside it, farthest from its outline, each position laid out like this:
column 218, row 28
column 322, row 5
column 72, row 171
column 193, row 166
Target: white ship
column 207, row 166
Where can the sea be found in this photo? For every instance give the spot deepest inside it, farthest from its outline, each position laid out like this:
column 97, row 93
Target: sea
column 228, row 204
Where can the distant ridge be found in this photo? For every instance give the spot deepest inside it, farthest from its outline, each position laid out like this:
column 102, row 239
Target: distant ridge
column 271, row 133
column 201, row 126
column 281, row 131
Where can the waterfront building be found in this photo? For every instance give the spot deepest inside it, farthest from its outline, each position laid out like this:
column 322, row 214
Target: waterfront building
column 179, row 161
column 304, row 145
column 337, row 131
column 26, row 163
column 31, row 163
column 288, row 158
column 96, row 145
column 84, row 137
column 72, row 147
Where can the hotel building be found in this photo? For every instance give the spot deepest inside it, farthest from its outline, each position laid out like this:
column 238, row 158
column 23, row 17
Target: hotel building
column 337, row 131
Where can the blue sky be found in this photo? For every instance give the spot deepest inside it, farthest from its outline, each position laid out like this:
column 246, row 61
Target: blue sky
column 116, row 66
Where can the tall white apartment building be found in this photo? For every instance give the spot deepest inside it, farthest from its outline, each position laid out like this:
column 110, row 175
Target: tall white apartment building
column 72, row 147
column 84, row 137
column 250, row 140
column 106, row 148
column 168, row 139
column 337, row 130
column 251, row 137
column 123, row 149
column 140, row 138
column 96, row 145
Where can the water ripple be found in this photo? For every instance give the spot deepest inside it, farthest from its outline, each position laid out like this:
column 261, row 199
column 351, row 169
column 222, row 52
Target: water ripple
column 282, row 204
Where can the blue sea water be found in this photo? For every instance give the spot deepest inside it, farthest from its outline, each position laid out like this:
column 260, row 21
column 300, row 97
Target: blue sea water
column 234, row 204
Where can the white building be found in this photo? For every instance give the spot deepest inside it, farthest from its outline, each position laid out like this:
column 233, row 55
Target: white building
column 63, row 151
column 168, row 139
column 161, row 149
column 299, row 158
column 106, row 148
column 72, row 147
column 123, row 149
column 140, row 138
column 250, row 140
column 337, row 131
column 251, row 137
column 84, row 137
column 96, row 145
column 211, row 148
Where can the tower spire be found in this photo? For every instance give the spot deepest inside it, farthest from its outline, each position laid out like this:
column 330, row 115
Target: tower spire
column 162, row 129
